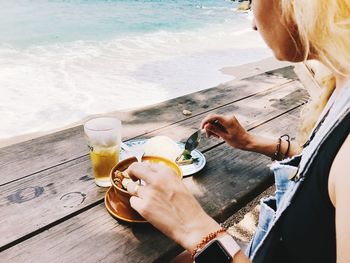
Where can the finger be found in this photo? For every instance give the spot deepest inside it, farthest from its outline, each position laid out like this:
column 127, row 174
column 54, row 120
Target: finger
column 135, row 189
column 221, row 121
column 159, row 166
column 137, row 203
column 208, row 119
column 216, row 131
column 208, row 133
column 141, row 171
column 155, row 167
column 218, row 124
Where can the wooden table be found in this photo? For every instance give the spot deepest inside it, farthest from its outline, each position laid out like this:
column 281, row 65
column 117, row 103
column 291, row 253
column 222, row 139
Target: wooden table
column 52, row 211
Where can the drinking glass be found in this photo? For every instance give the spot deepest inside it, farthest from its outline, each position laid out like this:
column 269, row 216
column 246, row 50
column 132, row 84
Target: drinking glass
column 103, row 136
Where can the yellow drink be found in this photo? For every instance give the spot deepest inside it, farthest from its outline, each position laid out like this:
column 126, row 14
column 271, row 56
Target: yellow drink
column 103, row 136
column 103, row 160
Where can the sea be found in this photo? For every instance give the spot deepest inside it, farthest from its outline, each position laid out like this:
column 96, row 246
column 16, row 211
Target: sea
column 64, row 60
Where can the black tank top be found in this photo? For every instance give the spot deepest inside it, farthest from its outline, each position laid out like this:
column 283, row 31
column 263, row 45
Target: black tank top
column 308, row 226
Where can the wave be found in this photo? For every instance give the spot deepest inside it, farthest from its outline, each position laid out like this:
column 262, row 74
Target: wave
column 77, row 79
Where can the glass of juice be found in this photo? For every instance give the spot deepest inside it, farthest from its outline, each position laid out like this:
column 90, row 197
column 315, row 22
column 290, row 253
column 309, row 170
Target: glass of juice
column 103, row 136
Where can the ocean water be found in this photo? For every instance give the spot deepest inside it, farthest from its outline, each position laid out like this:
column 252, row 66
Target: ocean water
column 63, row 60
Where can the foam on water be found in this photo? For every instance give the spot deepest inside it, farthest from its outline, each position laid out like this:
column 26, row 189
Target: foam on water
column 50, row 85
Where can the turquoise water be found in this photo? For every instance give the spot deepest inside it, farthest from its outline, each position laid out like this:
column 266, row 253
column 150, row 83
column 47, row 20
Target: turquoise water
column 61, row 61
column 32, row 22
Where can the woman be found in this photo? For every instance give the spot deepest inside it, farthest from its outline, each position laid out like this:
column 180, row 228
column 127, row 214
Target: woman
column 311, row 223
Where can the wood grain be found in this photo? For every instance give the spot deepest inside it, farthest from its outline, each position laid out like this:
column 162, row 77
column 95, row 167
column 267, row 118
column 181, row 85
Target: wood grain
column 58, row 192
column 251, row 112
column 230, row 179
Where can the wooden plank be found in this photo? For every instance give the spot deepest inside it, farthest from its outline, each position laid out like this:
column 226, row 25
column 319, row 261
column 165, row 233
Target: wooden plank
column 36, row 155
column 230, row 179
column 65, row 189
column 73, row 183
column 250, row 112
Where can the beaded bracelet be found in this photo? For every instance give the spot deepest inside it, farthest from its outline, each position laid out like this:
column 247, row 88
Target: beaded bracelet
column 288, row 147
column 206, row 239
column 278, row 148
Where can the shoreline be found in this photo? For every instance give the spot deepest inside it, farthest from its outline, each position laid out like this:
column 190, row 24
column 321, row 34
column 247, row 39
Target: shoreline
column 236, row 72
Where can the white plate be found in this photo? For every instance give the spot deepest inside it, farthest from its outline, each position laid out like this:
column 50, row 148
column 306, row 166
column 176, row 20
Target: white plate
column 186, row 169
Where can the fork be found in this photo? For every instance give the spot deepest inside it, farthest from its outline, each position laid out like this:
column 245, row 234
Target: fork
column 193, row 141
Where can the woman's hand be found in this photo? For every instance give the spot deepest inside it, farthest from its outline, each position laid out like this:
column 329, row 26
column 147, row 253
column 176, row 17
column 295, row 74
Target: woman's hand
column 231, row 131
column 235, row 135
column 166, row 203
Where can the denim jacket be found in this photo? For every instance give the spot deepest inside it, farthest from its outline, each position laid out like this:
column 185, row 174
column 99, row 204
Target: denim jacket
column 273, row 207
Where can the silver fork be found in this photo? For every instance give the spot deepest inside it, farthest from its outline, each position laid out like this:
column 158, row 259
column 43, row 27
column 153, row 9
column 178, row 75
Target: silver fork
column 193, row 141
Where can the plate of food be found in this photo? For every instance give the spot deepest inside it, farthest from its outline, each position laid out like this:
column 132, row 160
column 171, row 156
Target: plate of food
column 189, row 163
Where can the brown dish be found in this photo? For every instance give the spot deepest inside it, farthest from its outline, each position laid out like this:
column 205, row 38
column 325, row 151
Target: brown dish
column 119, row 211
column 117, row 199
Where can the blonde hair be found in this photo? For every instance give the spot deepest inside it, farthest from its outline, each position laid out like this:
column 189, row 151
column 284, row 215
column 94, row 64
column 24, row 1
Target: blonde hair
column 324, row 32
column 326, row 82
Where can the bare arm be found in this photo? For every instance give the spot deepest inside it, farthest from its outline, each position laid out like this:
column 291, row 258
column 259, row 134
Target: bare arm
column 267, row 146
column 168, row 205
column 338, row 187
column 235, row 135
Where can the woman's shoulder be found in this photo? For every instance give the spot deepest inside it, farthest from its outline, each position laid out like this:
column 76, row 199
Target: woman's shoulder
column 339, row 185
column 339, row 176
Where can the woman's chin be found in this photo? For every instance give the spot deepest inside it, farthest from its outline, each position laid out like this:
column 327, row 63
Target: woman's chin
column 283, row 56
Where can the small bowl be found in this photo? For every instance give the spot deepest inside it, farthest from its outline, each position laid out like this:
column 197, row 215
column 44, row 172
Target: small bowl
column 123, row 196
